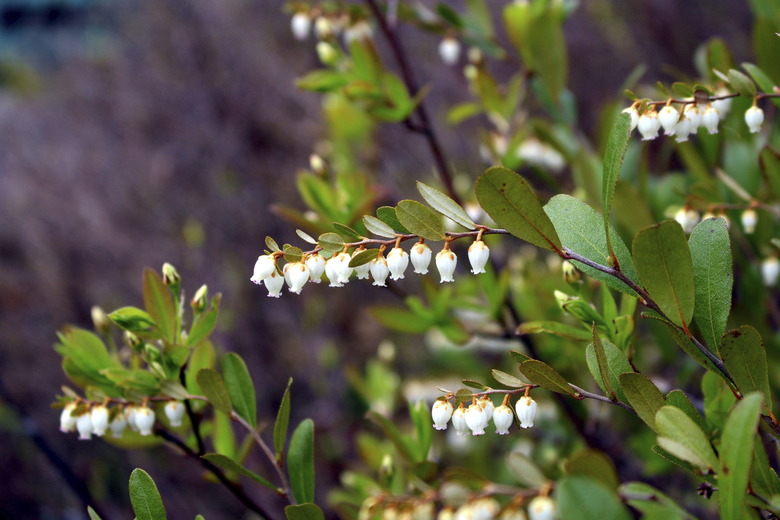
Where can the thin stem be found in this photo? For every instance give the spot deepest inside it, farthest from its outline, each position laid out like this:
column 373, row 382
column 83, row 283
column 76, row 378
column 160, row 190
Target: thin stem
column 590, row 395
column 194, row 419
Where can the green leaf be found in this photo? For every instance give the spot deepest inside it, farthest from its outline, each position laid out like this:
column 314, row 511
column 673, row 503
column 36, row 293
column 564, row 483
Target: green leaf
column 524, row 470
column 712, row 278
column 546, row 376
column 512, row 204
column 616, row 364
column 683, row 341
column 387, row 215
column 292, row 254
column 240, row 387
column 617, row 144
column 463, row 395
column 474, row 384
column 213, row 388
column 507, row 379
column 204, row 323
column 518, row 356
column 682, row 437
column 736, row 453
column 282, row 423
column 402, row 443
column 449, row 15
column 643, row 396
column 322, row 80
column 300, row 462
column 582, row 498
column 445, row 205
column 651, row 502
column 682, row 90
column 423, row 428
column 680, row 400
column 133, row 320
column 401, row 319
column 593, row 464
column 146, row 500
column 554, row 327
column 230, row 465
column 664, row 264
column 173, row 389
column 741, row 83
column 420, row 220
column 331, row 242
column 363, row 257
column 377, row 227
column 548, row 47
column 304, row 512
column 744, row 355
column 581, row 229
column 271, row 244
column 92, row 514
column 346, row 231
column 765, row 83
column 601, row 364
column 159, row 304
column 305, row 237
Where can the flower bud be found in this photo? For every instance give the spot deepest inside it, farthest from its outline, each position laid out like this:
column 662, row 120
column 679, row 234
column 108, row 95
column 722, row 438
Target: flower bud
column 379, row 271
column 526, row 411
column 710, row 119
column 476, row 419
column 503, row 418
column 198, row 302
column 459, row 421
column 632, row 111
column 687, row 218
column 441, row 413
column 683, row 128
column 449, row 50
column 174, row 411
column 420, row 256
column 749, row 220
column 570, row 273
column 446, row 261
column 360, row 30
column 300, row 25
column 170, row 275
column 67, row 421
column 316, row 265
column 649, row 125
column 265, row 265
column 693, row 112
column 144, row 420
column 754, row 117
column 274, row 284
column 478, row 256
column 99, row 418
column 668, row 117
column 541, row 508
column 323, row 27
column 770, row 271
column 118, row 425
column 397, row 262
column 296, row 275
column 133, row 341
column 100, row 320
column 327, row 53
column 84, row 426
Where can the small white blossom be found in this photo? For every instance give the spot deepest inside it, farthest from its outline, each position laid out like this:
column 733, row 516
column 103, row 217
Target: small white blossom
column 441, row 413
column 770, row 271
column 420, row 256
column 503, row 418
column 327, row 53
column 476, row 419
column 487, row 404
column 710, row 119
column 542, row 508
column 683, row 128
column 634, row 113
column 118, row 425
column 361, row 271
column 649, row 125
column 693, row 112
column 144, row 420
column 446, row 261
column 343, row 270
column 485, row 508
column 459, row 421
column 331, row 271
column 723, row 106
column 687, row 218
column 379, row 271
column 130, row 417
column 449, row 50
column 668, row 117
column 424, row 511
column 67, row 421
column 749, row 220
column 323, row 27
column 300, row 25
column 526, row 411
column 174, row 411
column 274, row 284
column 512, row 513
column 316, row 265
column 296, row 275
column 84, row 426
column 99, row 418
column 265, row 265
column 397, row 262
column 478, row 256
column 754, row 117
column 358, row 31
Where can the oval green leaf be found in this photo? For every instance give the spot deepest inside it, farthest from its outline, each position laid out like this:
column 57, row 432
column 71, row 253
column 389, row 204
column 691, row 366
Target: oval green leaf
column 642, row 395
column 387, row 215
column 583, row 498
column 445, row 205
column 213, row 388
column 229, row 464
column 688, row 441
column 744, row 355
column 331, row 242
column 507, row 379
column 304, row 512
column 363, row 257
column 282, row 422
column 300, row 462
column 617, row 144
column 420, row 220
column 736, row 454
column 377, row 227
column 240, row 387
column 144, row 497
column 525, row 470
column 158, row 301
column 546, row 376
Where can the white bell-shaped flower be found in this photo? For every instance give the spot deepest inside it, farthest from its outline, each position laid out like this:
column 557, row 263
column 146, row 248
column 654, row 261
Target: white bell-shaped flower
column 441, row 413
column 130, row 416
column 478, row 256
column 274, row 284
column 361, row 271
column 694, row 113
column 710, row 119
column 476, row 419
column 118, row 425
column 512, row 513
column 723, row 106
column 300, row 25
column 503, row 418
column 634, row 113
column 649, row 125
column 485, row 508
column 542, row 508
column 526, row 411
column 379, row 271
column 84, row 426
column 749, row 220
column 99, row 416
column 397, row 262
column 331, row 271
column 487, row 404
column 67, row 421
column 446, row 261
column 770, row 271
column 687, row 218
column 144, row 420
column 316, row 264
column 265, row 265
column 420, row 255
column 459, row 421
column 668, row 117
column 296, row 275
column 449, row 50
column 754, row 117
column 683, row 128
column 343, row 270
column 174, row 411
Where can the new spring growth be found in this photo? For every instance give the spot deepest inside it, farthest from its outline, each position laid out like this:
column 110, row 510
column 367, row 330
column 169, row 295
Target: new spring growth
column 198, row 302
column 171, row 276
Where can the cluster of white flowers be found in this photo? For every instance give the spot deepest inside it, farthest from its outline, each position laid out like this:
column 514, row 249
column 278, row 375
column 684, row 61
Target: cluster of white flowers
column 97, row 419
column 338, row 272
column 477, row 416
column 688, row 217
column 476, row 508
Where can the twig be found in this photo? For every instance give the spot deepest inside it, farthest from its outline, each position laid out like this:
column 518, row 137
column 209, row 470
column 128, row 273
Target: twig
column 597, row 397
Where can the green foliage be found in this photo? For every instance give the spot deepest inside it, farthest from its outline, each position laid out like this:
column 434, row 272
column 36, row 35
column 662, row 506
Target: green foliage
column 146, row 500
column 300, row 461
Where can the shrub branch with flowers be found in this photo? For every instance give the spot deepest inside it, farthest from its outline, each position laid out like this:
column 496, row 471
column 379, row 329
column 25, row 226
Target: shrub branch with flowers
column 603, row 337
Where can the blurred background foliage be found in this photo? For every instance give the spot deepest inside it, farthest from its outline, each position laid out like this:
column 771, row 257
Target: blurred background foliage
column 137, row 132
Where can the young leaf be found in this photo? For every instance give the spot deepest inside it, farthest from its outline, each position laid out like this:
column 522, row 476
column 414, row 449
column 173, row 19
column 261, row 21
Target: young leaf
column 445, row 205
column 553, row 327
column 741, row 83
column 683, row 341
column 240, row 387
column 305, row 237
column 664, row 264
column 387, row 215
column 92, row 514
column 546, row 376
column 712, row 278
column 159, row 304
column 377, row 227
column 642, row 395
column 548, row 47
column 474, row 384
column 420, row 220
column 300, row 462
column 346, row 231
column 292, row 254
column 304, row 512
column 271, row 244
column 682, row 90
column 331, row 242
column 144, row 497
column 229, row 464
column 363, row 257
column 617, row 144
column 744, row 355
column 512, row 204
column 282, row 422
column 603, row 368
column 680, row 436
column 583, row 498
column 133, row 319
column 736, row 451
column 213, row 388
